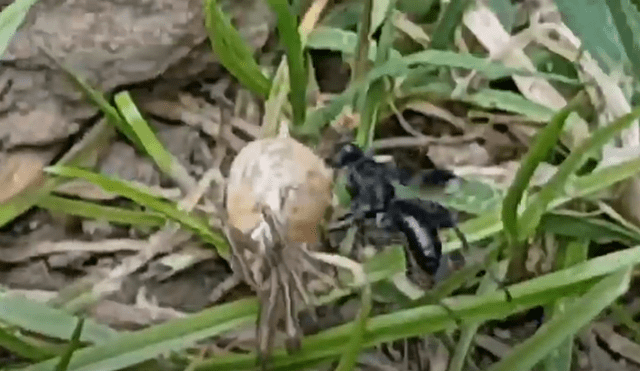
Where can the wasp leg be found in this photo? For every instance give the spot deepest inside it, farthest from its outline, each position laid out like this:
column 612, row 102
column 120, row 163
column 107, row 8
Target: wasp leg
column 501, row 284
column 465, row 246
column 451, row 313
column 413, row 347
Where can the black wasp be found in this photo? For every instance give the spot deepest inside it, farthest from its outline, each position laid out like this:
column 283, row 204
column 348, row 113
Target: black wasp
column 370, row 185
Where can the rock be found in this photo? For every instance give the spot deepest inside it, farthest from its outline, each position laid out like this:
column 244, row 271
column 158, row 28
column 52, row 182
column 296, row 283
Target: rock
column 109, row 44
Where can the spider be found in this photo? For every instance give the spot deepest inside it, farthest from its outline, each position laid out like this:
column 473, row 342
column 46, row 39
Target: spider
column 278, row 193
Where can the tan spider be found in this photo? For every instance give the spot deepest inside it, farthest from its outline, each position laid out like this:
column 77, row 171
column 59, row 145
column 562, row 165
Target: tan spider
column 278, row 194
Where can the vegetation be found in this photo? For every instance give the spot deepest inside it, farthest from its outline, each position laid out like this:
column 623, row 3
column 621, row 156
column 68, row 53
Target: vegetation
column 397, row 62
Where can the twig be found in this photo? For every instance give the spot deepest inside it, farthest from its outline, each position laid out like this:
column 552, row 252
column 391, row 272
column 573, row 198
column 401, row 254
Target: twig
column 402, row 142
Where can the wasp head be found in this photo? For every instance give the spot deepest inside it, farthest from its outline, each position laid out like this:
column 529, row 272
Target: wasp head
column 348, row 154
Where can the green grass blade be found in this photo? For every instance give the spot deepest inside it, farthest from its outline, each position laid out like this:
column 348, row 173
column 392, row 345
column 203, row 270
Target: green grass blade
column 110, row 112
column 377, row 91
column 626, row 18
column 276, row 103
column 166, row 161
column 96, row 211
column 233, row 52
column 402, row 66
column 290, row 37
column 387, row 33
column 603, row 41
column 410, row 29
column 490, row 223
column 525, row 355
column 470, row 196
column 374, row 95
column 11, row 18
column 443, row 58
column 319, row 118
column 352, row 351
column 361, row 64
column 73, row 345
column 428, row 319
column 345, row 42
column 449, row 20
column 489, row 99
column 468, row 331
column 505, row 11
column 510, row 102
column 22, row 202
column 476, row 229
column 51, row 322
column 602, row 178
column 135, row 347
column 624, row 317
column 378, row 15
column 532, row 214
column 126, row 189
column 594, row 229
column 570, row 253
column 337, row 40
column 131, row 348
column 22, row 348
column 81, row 154
column 539, row 150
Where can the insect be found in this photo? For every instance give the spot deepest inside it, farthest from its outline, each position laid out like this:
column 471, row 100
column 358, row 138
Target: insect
column 373, row 196
column 370, row 185
column 278, row 192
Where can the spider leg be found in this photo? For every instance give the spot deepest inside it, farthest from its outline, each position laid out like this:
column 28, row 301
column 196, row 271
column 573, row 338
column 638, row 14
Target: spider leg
column 299, row 288
column 292, row 328
column 225, row 286
column 310, row 267
column 356, row 269
column 265, row 332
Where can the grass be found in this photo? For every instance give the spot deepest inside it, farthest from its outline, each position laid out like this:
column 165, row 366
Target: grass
column 389, row 72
